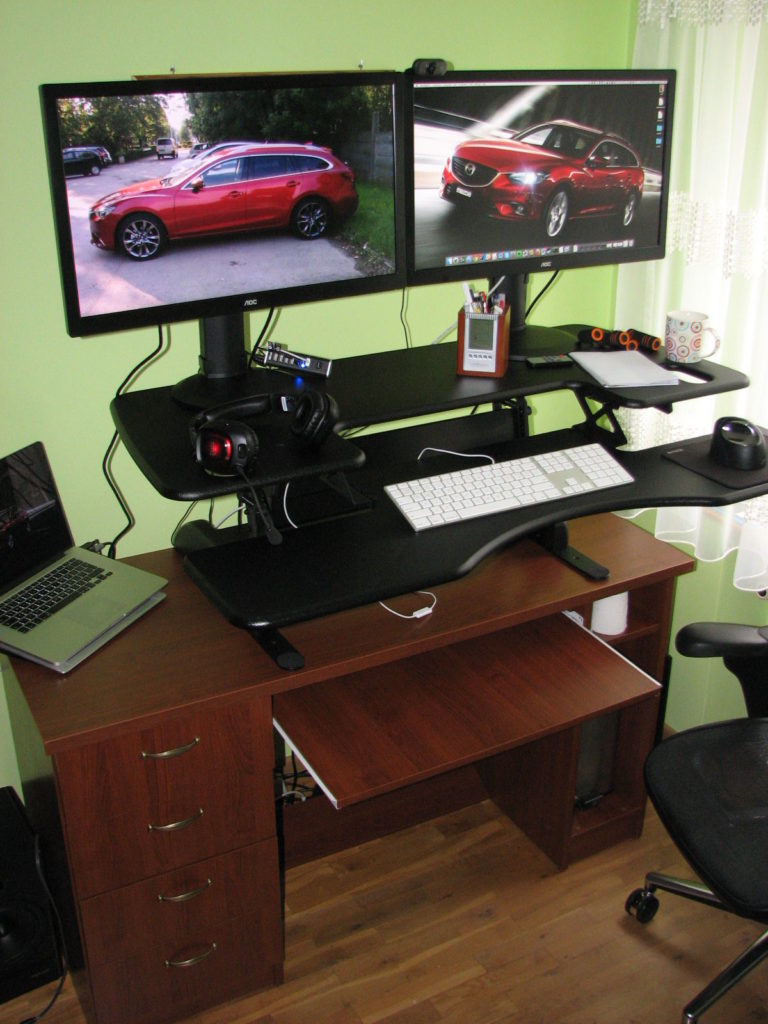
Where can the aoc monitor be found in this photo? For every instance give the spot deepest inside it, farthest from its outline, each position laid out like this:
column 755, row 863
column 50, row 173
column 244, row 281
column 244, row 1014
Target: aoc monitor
column 521, row 171
column 211, row 197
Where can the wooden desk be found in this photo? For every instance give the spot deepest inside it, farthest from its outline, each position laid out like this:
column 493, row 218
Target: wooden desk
column 173, row 859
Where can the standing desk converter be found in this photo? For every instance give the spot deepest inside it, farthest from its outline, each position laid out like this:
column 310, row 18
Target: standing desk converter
column 155, row 758
column 320, row 568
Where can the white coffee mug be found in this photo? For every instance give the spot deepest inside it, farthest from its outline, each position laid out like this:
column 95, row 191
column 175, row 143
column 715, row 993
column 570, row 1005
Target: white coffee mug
column 684, row 336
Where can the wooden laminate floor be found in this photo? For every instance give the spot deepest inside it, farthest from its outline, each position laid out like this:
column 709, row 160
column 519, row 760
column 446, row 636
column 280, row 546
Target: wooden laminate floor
column 462, row 921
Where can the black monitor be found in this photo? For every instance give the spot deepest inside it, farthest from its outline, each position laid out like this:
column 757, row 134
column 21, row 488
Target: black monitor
column 521, row 171
column 211, row 197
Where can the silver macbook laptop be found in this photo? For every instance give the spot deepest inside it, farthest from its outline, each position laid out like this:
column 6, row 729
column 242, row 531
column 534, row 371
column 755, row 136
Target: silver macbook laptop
column 58, row 603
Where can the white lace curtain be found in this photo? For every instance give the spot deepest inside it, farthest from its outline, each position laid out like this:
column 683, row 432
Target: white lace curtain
column 717, row 242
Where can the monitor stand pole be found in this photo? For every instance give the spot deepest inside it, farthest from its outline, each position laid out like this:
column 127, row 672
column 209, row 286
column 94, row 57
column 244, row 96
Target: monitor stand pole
column 224, row 374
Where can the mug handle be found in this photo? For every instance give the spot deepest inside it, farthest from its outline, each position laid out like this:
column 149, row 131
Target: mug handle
column 716, row 336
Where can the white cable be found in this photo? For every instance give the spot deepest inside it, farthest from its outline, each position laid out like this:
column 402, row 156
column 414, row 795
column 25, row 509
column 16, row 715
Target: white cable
column 490, row 293
column 420, row 613
column 240, row 508
column 459, row 455
column 285, row 508
column 444, row 334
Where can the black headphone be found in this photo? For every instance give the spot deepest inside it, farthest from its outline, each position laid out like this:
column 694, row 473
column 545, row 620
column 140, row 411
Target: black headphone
column 224, row 444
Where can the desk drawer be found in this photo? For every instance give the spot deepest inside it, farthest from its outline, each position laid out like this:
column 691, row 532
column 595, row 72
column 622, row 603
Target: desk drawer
column 153, row 800
column 185, row 907
column 232, row 959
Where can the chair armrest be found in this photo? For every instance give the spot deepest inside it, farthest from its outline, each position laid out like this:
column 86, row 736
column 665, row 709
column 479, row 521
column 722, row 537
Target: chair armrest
column 722, row 639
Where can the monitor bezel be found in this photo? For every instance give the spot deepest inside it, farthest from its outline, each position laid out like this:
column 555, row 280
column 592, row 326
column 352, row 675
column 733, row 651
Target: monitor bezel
column 521, row 267
column 82, row 325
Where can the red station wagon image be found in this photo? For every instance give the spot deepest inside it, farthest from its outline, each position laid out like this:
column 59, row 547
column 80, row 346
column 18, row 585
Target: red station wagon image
column 551, row 173
column 266, row 185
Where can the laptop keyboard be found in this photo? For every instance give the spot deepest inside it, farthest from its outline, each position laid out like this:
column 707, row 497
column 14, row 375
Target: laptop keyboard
column 37, row 602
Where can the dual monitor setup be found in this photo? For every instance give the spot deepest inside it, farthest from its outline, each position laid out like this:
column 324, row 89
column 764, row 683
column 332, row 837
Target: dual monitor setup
column 212, row 197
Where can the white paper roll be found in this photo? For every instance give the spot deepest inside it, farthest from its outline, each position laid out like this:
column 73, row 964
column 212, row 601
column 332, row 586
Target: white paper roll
column 609, row 614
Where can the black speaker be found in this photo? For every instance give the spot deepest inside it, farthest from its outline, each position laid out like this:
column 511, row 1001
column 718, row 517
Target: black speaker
column 29, row 956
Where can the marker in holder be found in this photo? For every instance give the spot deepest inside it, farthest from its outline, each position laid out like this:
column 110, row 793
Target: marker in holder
column 483, row 343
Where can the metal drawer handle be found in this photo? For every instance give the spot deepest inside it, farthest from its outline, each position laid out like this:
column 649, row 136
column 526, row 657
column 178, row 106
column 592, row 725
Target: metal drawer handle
column 193, row 959
column 184, row 896
column 174, row 826
column 163, row 755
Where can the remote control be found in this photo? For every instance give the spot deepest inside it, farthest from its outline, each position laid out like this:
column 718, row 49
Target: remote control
column 557, row 360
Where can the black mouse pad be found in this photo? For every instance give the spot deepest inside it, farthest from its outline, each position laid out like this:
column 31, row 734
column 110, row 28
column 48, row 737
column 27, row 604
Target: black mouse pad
column 694, row 455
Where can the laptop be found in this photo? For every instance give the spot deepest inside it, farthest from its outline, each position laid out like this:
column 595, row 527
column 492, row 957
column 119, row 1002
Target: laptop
column 58, row 603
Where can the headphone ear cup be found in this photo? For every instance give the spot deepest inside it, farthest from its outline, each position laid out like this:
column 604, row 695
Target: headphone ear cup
column 226, row 447
column 314, row 417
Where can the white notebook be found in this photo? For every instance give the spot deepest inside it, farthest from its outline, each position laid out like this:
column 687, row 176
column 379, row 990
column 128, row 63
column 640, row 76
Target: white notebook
column 622, row 369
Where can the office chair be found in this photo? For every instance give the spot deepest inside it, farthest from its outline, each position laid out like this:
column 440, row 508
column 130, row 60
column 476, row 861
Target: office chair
column 709, row 786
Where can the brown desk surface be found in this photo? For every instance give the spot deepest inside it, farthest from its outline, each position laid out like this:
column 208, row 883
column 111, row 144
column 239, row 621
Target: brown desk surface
column 184, row 654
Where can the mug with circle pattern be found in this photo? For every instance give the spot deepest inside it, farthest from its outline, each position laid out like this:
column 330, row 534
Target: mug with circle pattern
column 684, row 336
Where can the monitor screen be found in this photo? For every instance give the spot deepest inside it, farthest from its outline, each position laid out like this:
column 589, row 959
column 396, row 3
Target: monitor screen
column 514, row 172
column 214, row 196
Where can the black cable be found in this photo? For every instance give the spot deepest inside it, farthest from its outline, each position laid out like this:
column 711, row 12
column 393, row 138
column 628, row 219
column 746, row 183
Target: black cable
column 106, row 464
column 542, row 293
column 403, row 320
column 292, row 788
column 64, row 959
column 181, row 521
column 260, row 340
column 111, row 549
column 273, row 534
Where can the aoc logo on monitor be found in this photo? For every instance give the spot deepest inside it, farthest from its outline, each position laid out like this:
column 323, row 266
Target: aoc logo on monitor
column 250, row 302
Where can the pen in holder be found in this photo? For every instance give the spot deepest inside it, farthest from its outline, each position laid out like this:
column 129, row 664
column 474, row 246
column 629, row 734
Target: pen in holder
column 483, row 343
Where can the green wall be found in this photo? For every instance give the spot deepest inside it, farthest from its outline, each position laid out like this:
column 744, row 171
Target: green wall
column 58, row 389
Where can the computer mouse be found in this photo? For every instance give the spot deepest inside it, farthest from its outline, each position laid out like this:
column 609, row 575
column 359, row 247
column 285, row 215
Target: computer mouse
column 737, row 444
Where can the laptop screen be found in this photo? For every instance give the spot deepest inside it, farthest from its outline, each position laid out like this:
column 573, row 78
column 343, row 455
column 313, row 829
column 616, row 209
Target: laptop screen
column 33, row 528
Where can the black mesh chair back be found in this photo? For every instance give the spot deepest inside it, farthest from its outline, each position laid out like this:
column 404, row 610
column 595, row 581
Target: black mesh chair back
column 709, row 786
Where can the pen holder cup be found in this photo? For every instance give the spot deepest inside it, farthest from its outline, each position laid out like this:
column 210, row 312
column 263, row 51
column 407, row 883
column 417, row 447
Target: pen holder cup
column 483, row 343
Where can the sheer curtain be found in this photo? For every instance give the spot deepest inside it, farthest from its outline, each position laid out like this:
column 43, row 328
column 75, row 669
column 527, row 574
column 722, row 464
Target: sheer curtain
column 717, row 242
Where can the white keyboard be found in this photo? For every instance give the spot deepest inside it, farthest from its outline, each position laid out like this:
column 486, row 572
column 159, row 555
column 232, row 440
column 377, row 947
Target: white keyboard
column 484, row 489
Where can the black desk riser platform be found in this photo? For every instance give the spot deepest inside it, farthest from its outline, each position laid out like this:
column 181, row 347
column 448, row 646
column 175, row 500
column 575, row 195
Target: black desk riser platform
column 330, row 565
column 384, row 387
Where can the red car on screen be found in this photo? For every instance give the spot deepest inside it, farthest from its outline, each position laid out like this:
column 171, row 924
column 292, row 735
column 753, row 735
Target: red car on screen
column 551, row 173
column 267, row 185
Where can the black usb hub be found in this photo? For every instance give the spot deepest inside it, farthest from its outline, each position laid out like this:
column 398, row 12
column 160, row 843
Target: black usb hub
column 276, row 357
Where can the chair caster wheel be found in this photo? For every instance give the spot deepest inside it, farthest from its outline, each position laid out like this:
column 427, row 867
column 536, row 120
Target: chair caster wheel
column 642, row 904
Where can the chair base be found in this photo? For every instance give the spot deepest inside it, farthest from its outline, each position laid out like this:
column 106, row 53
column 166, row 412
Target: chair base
column 643, row 904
